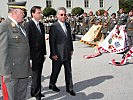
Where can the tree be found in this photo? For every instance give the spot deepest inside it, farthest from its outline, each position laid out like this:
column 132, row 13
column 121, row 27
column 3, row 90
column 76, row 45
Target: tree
column 49, row 11
column 101, row 11
column 127, row 5
column 77, row 11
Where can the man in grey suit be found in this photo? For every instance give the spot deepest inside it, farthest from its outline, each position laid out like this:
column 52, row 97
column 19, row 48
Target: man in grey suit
column 61, row 50
column 14, row 54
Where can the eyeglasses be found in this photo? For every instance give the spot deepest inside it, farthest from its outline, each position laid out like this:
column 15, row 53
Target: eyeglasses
column 62, row 14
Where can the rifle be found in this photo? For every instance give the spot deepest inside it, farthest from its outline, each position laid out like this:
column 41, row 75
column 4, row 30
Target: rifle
column 109, row 8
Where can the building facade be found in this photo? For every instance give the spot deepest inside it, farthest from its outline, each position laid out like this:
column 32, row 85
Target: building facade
column 87, row 5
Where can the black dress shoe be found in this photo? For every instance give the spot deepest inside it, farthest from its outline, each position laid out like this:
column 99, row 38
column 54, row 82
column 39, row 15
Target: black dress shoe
column 71, row 92
column 54, row 88
column 42, row 95
column 38, row 98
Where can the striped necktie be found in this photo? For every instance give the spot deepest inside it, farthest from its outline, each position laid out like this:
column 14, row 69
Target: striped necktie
column 38, row 27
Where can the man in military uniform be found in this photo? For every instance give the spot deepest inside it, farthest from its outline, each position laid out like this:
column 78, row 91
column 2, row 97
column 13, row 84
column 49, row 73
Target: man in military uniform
column 14, row 54
column 73, row 27
column 68, row 18
column 91, row 19
column 98, row 18
column 112, row 22
column 129, row 28
column 105, row 21
column 85, row 25
column 122, row 18
column 78, row 24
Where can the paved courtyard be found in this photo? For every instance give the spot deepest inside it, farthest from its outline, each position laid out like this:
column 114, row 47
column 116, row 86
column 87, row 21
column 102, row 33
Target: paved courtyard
column 94, row 79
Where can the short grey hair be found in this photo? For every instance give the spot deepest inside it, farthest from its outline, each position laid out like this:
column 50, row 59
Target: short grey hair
column 61, row 8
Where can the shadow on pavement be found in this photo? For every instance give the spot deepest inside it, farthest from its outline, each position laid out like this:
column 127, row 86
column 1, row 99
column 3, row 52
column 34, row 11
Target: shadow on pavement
column 78, row 87
column 91, row 82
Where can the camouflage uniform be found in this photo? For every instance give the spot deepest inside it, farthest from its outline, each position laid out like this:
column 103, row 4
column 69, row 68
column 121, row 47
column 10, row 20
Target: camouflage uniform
column 112, row 22
column 73, row 27
column 98, row 20
column 91, row 20
column 78, row 24
column 105, row 21
column 85, row 25
column 122, row 19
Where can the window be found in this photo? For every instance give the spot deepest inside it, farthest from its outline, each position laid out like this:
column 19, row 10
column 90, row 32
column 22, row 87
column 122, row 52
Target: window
column 68, row 3
column 101, row 3
column 86, row 3
column 11, row 0
column 48, row 3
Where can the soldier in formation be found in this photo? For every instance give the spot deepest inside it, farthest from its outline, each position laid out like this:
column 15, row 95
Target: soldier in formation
column 112, row 22
column 105, row 21
column 73, row 27
column 85, row 25
column 129, row 28
column 92, row 19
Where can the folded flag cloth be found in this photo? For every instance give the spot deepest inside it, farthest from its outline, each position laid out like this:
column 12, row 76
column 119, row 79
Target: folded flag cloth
column 115, row 42
column 128, row 55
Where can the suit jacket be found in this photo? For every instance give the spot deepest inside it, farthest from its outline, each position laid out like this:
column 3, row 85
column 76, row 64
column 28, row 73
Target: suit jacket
column 60, row 43
column 14, row 51
column 36, row 41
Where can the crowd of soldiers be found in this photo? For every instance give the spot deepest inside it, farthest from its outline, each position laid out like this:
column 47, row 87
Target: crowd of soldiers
column 81, row 24
column 84, row 23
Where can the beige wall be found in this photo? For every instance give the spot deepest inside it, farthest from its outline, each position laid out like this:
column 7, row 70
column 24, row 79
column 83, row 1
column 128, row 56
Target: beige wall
column 94, row 5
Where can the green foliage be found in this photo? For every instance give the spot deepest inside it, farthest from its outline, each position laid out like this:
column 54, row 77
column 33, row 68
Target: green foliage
column 77, row 11
column 127, row 5
column 49, row 11
column 101, row 11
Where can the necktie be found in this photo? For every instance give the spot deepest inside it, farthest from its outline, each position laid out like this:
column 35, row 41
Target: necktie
column 38, row 27
column 64, row 28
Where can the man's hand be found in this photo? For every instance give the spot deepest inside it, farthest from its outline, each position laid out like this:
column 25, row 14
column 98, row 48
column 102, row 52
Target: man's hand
column 55, row 57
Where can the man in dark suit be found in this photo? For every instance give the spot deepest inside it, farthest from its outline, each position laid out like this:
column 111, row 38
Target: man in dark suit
column 61, row 50
column 14, row 54
column 36, row 35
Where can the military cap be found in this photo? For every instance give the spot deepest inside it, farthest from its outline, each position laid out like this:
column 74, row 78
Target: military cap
column 17, row 5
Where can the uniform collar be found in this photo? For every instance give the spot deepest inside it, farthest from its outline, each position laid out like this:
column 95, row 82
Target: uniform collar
column 12, row 20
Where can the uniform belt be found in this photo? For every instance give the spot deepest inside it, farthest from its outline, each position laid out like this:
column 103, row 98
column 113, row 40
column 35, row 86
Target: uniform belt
column 130, row 29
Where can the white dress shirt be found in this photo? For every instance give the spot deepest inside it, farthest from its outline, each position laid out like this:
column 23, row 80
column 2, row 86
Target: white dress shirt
column 63, row 26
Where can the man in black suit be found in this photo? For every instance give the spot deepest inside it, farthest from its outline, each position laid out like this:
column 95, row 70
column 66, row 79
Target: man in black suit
column 61, row 50
column 36, row 36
